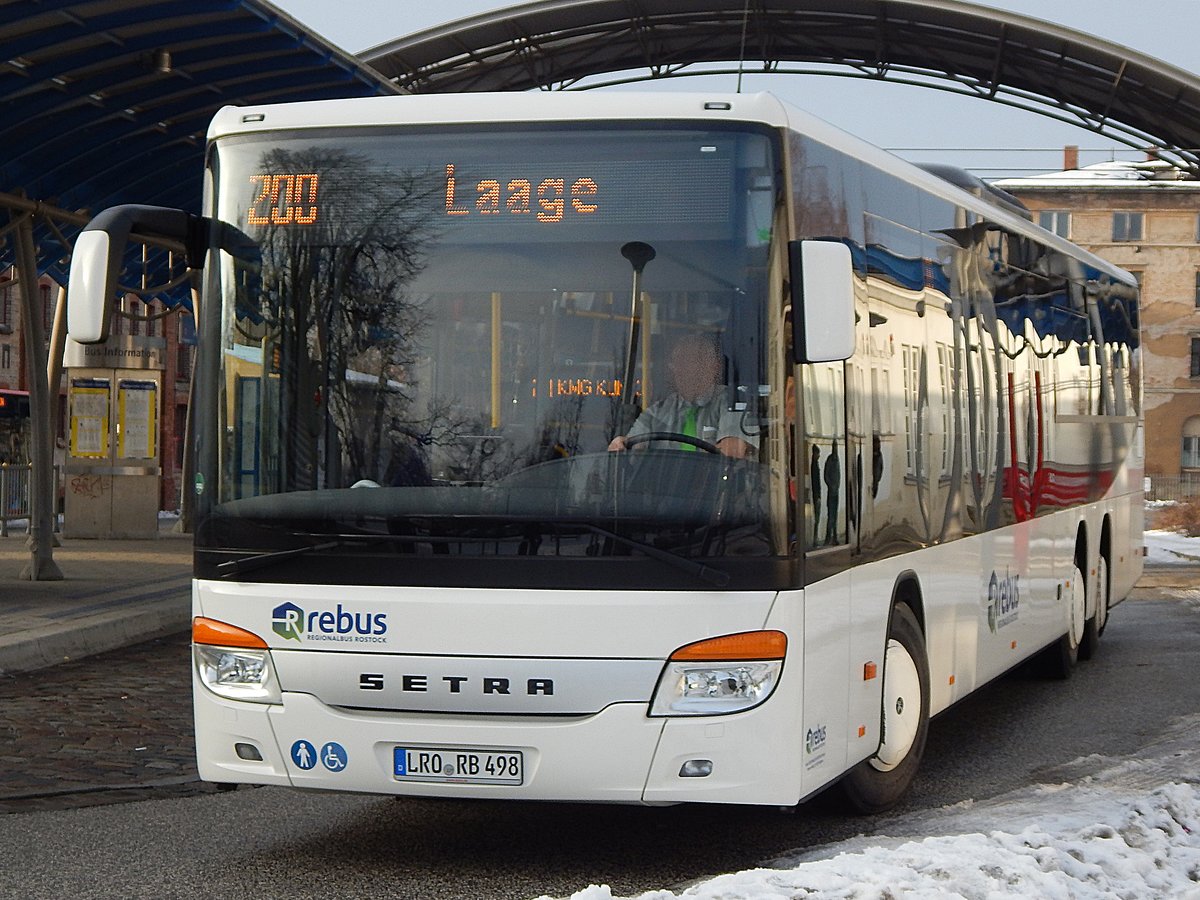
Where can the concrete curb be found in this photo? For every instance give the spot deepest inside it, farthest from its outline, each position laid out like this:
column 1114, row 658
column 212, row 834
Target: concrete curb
column 51, row 644
column 1174, row 576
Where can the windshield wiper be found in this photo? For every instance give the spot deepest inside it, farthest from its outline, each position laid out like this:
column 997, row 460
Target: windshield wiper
column 261, row 560
column 707, row 573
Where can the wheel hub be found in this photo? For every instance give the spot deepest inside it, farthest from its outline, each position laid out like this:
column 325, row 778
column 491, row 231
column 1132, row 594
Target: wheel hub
column 901, row 720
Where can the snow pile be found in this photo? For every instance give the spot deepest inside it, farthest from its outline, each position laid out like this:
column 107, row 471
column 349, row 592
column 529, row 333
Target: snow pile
column 1167, row 548
column 1120, row 828
column 1151, row 849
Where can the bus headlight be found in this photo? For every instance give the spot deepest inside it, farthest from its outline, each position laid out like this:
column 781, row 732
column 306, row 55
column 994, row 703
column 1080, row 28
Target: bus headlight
column 721, row 675
column 689, row 690
column 238, row 674
column 234, row 663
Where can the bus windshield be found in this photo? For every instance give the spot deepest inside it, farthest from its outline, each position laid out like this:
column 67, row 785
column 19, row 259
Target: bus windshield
column 452, row 345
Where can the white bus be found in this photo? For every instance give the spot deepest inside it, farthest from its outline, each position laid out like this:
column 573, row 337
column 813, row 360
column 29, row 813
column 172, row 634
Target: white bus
column 423, row 566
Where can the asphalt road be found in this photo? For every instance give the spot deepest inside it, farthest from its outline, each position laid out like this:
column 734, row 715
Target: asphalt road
column 83, row 725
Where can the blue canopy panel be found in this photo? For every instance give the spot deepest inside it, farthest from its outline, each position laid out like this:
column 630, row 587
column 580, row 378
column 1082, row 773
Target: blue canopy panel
column 1067, row 319
column 108, row 101
column 1054, row 314
column 911, row 273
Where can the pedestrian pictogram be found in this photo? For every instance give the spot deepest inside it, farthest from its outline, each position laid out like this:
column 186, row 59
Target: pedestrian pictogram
column 304, row 754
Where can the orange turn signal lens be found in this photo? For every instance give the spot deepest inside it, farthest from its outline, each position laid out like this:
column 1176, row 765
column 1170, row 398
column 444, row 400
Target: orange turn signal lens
column 746, row 645
column 222, row 634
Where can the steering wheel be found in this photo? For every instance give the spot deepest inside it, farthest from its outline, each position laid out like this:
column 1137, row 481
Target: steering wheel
column 698, row 443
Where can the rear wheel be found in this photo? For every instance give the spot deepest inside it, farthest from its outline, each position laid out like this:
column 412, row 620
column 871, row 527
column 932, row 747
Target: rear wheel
column 1057, row 660
column 1095, row 625
column 878, row 783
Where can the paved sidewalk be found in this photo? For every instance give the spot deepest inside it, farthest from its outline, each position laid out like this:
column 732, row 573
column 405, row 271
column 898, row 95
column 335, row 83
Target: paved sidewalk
column 114, row 593
column 1173, row 576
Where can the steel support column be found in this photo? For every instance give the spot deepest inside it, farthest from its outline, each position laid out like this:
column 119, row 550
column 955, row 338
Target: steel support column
column 41, row 565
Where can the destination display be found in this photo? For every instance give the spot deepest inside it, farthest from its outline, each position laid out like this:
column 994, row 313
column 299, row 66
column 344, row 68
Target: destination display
column 483, row 189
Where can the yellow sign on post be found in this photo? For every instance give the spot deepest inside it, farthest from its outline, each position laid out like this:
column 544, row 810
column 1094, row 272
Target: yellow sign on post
column 89, row 417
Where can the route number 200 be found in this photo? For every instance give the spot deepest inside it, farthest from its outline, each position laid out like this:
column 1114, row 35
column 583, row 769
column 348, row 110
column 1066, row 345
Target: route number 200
column 284, row 199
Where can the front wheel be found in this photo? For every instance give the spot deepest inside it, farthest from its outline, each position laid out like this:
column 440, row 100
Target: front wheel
column 878, row 783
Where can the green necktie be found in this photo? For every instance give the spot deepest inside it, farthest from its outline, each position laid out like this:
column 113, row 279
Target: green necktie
column 689, row 426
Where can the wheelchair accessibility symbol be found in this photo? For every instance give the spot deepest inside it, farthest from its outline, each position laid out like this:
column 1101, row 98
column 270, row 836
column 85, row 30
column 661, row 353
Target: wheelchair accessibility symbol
column 333, row 757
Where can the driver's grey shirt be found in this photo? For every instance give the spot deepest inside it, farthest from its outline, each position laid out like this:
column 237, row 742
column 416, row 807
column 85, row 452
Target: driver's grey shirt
column 670, row 414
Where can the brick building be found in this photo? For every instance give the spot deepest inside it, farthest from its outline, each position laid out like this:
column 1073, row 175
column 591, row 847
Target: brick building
column 1145, row 217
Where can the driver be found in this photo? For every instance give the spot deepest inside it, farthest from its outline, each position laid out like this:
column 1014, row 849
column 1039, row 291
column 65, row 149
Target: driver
column 697, row 407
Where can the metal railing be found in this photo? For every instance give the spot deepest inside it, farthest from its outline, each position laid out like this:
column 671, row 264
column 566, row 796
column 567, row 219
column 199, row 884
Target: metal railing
column 14, row 493
column 1173, row 487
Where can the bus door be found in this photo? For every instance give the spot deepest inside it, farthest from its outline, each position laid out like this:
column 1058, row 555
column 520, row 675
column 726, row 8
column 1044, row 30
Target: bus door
column 862, row 455
column 825, row 496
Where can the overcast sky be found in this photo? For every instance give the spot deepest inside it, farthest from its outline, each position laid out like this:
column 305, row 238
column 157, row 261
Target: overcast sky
column 892, row 116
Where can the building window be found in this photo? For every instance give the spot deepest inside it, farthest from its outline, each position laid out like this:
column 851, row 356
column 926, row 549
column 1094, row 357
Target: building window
column 1198, row 289
column 6, row 305
column 1195, row 357
column 1127, row 226
column 180, row 435
column 1189, row 457
column 1056, row 220
column 47, row 309
column 183, row 362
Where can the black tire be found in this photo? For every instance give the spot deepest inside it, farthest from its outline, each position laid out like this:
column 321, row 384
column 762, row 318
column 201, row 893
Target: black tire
column 878, row 783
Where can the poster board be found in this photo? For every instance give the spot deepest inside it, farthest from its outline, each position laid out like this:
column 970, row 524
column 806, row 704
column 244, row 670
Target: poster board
column 89, row 406
column 137, row 419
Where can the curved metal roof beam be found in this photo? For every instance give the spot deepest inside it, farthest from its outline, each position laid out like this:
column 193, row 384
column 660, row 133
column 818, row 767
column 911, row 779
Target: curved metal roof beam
column 950, row 45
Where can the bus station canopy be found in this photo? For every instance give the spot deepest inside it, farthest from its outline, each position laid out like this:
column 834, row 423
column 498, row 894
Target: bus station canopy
column 948, row 45
column 108, row 101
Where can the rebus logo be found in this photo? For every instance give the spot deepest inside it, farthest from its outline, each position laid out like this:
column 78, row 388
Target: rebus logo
column 292, row 623
column 1003, row 600
column 287, row 620
column 814, row 738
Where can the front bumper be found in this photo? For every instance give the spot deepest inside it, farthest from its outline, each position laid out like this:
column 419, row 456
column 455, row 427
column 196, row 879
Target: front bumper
column 618, row 755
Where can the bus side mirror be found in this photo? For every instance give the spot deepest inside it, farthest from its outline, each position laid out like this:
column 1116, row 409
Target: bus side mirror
column 822, row 279
column 99, row 256
column 93, row 280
